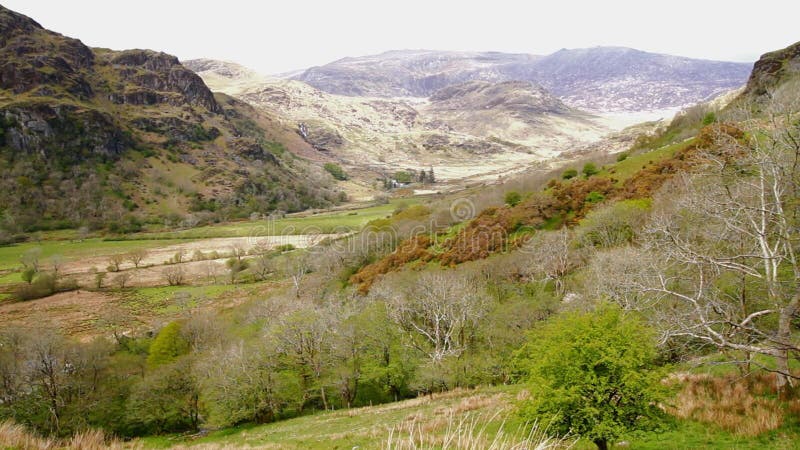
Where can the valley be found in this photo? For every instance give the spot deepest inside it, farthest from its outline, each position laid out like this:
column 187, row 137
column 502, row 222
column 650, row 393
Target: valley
column 415, row 249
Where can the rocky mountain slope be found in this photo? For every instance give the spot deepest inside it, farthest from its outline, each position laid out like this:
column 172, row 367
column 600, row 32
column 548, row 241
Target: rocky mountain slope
column 98, row 137
column 775, row 74
column 467, row 129
column 599, row 79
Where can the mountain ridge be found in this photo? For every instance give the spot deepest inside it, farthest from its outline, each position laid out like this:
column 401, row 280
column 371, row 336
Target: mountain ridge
column 621, row 78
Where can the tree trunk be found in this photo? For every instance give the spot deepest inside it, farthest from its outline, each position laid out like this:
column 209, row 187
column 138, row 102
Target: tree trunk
column 601, row 444
column 783, row 381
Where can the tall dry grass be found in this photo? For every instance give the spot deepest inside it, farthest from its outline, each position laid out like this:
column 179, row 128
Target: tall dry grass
column 471, row 432
column 18, row 437
column 743, row 406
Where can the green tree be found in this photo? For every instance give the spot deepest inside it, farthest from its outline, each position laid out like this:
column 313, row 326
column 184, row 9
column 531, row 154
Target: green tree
column 167, row 346
column 589, row 169
column 593, row 374
column 513, row 198
column 166, row 400
column 569, row 173
column 27, row 274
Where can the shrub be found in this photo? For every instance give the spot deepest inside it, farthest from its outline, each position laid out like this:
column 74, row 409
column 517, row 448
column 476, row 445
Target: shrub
column 589, row 169
column 336, row 171
column 513, row 198
column 622, row 156
column 569, row 174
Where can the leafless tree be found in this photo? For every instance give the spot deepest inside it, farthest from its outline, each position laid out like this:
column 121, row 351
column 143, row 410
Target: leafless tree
column 174, row 275
column 121, row 279
column 718, row 264
column 115, row 262
column 549, row 256
column 30, row 259
column 438, row 310
column 137, row 256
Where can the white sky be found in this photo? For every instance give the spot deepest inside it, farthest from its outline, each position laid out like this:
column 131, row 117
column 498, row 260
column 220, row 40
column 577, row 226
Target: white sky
column 280, row 36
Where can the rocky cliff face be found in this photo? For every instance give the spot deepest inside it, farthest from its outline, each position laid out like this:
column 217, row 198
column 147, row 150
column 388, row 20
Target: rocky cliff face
column 599, row 79
column 773, row 70
column 155, row 77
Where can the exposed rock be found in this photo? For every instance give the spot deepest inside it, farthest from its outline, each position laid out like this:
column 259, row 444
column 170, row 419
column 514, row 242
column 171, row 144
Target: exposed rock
column 772, row 69
column 319, row 137
column 159, row 73
column 64, row 133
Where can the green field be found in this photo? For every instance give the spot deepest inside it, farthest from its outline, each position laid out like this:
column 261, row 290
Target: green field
column 70, row 250
column 325, row 222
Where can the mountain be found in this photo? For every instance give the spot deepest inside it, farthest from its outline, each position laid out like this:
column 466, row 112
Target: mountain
column 411, row 73
column 775, row 73
column 599, row 79
column 99, row 137
column 474, row 128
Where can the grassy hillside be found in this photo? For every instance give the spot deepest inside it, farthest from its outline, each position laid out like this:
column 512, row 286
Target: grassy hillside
column 113, row 139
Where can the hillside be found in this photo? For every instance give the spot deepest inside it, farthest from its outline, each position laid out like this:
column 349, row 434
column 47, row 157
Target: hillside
column 597, row 79
column 129, row 135
column 504, row 126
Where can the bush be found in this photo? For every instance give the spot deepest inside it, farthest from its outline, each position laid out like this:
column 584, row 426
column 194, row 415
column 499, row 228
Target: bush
column 513, row 198
column 336, row 171
column 589, row 169
column 593, row 374
column 569, row 174
column 622, row 156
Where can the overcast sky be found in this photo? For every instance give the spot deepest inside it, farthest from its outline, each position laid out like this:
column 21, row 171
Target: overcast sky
column 274, row 37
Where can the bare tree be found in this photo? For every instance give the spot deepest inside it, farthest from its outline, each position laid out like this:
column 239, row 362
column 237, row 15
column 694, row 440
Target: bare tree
column 439, row 311
column 296, row 265
column 718, row 265
column 549, row 256
column 137, row 256
column 121, row 279
column 30, row 259
column 174, row 275
column 115, row 262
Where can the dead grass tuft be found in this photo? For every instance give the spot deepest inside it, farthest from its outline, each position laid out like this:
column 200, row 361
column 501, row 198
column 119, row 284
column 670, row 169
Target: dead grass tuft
column 743, row 406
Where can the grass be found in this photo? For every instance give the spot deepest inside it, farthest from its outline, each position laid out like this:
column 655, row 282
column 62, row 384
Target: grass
column 173, row 299
column 625, row 169
column 321, row 223
column 70, row 250
column 724, row 422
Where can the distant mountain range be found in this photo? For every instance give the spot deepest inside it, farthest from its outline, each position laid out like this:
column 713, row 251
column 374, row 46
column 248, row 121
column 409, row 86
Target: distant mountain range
column 502, row 125
column 596, row 79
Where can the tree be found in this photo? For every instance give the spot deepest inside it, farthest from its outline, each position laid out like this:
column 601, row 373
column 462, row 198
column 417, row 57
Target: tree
column 589, row 169
column 136, row 256
column 513, row 198
column 167, row 346
column 30, row 259
column 115, row 261
column 235, row 267
column 121, row 279
column 569, row 174
column 166, row 400
column 593, row 374
column 439, row 311
column 550, row 256
column 173, row 275
column 718, row 266
column 27, row 274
